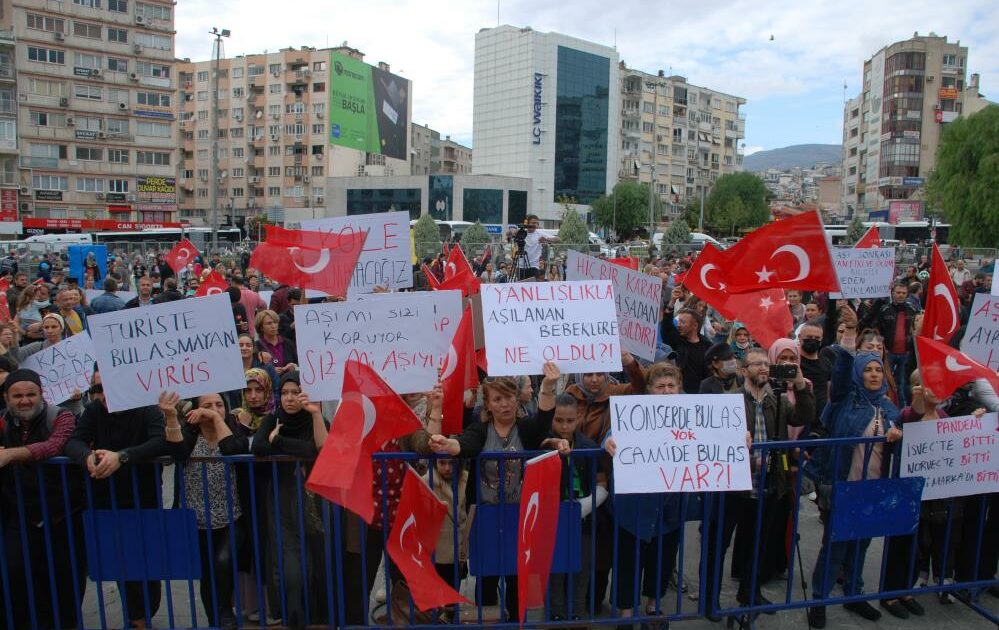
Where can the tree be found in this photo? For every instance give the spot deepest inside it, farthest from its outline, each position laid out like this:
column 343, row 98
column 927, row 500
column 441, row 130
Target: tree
column 426, row 237
column 965, row 182
column 737, row 201
column 692, row 212
column 474, row 240
column 677, row 233
column 255, row 226
column 573, row 231
column 855, row 231
column 626, row 208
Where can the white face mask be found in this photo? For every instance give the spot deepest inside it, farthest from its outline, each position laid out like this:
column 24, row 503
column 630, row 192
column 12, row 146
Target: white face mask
column 728, row 368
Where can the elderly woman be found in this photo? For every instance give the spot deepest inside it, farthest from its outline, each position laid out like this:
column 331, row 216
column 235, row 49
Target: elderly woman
column 282, row 351
column 593, row 390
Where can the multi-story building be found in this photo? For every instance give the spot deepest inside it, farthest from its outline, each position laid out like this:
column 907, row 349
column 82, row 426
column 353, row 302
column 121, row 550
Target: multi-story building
column 430, row 155
column 96, row 126
column 456, row 159
column 546, row 108
column 9, row 181
column 681, row 135
column 891, row 131
column 285, row 124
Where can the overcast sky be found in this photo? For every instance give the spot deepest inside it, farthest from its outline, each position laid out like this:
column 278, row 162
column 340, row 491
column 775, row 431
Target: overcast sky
column 793, row 84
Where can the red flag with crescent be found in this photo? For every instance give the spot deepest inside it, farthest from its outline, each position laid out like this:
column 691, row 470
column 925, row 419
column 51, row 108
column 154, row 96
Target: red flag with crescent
column 458, row 374
column 539, row 505
column 5, row 313
column 311, row 260
column 182, row 253
column 943, row 369
column 871, row 238
column 942, row 317
column 213, row 284
column 412, row 541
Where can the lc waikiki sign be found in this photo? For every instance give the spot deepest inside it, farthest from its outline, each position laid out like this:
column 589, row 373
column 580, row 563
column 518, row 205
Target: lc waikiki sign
column 539, row 84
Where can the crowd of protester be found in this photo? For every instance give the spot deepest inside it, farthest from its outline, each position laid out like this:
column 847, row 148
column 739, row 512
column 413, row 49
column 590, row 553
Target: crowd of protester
column 854, row 374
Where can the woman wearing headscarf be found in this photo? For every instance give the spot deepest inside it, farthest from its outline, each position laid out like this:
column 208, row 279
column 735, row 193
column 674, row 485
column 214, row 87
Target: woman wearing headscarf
column 54, row 331
column 593, row 390
column 251, row 360
column 32, row 305
column 740, row 340
column 858, row 407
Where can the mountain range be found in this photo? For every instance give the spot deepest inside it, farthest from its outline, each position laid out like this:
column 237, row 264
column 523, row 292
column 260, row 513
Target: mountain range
column 801, row 155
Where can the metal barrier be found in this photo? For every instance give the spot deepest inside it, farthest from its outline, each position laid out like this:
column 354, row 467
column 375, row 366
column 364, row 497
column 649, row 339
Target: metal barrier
column 275, row 551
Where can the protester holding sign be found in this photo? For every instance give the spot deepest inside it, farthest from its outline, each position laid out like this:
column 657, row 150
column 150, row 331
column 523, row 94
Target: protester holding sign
column 593, row 390
column 284, row 356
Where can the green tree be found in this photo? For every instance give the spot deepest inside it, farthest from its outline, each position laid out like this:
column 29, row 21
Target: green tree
column 573, row 231
column 474, row 239
column 965, row 182
column 855, row 231
column 678, row 233
column 692, row 212
column 737, row 201
column 626, row 208
column 427, row 237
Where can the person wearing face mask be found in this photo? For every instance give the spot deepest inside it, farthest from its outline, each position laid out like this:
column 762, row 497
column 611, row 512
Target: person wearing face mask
column 724, row 367
column 739, row 340
column 31, row 306
column 815, row 367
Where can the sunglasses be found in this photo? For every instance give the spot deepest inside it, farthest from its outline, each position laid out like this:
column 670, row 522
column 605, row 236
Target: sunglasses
column 96, row 389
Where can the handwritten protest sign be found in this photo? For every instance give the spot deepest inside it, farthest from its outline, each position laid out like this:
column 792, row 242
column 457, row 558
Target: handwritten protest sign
column 385, row 259
column 956, row 456
column 64, row 367
column 981, row 338
column 571, row 323
column 638, row 298
column 864, row 273
column 188, row 346
column 693, row 443
column 403, row 337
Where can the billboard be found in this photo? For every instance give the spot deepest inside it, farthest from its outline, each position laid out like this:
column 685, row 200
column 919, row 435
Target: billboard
column 369, row 108
column 158, row 194
column 904, row 210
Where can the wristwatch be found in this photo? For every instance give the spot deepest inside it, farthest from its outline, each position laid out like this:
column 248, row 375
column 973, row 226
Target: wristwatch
column 123, row 457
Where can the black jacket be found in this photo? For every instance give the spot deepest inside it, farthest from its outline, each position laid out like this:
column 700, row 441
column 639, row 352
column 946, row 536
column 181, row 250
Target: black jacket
column 778, row 415
column 689, row 355
column 882, row 317
column 168, row 296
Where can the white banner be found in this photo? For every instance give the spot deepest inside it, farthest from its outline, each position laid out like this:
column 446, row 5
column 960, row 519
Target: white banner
column 638, row 297
column 981, row 337
column 404, row 337
column 956, row 456
column 387, row 255
column 864, row 273
column 680, row 443
column 188, row 346
column 65, row 367
column 573, row 324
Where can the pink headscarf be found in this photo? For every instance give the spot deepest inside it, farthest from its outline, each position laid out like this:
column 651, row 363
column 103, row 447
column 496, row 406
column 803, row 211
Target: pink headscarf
column 780, row 346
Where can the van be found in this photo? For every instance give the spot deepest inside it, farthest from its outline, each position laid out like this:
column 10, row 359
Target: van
column 696, row 238
column 50, row 242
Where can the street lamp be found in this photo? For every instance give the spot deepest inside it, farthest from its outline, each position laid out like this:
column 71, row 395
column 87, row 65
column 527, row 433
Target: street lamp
column 214, row 183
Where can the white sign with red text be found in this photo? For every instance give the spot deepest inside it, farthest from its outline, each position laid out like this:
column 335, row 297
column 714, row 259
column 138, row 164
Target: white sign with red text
column 956, row 456
column 981, row 336
column 573, row 324
column 386, row 259
column 65, row 368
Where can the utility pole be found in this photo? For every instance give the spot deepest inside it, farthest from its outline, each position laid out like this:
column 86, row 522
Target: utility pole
column 213, row 185
column 700, row 222
column 652, row 165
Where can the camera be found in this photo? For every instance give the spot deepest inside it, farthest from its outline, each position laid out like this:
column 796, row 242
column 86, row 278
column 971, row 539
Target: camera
column 520, row 238
column 784, row 371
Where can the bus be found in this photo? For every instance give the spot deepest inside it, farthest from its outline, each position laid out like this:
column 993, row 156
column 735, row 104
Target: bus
column 197, row 235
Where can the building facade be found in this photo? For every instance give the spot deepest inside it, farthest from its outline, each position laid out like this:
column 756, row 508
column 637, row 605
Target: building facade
column 10, row 182
column 96, row 128
column 431, row 155
column 679, row 135
column 546, row 109
column 911, row 90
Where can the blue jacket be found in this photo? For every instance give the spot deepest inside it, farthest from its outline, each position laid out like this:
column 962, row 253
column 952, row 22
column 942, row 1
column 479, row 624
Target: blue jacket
column 106, row 303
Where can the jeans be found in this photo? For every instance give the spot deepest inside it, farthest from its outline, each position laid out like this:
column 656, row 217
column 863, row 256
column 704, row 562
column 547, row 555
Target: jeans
column 849, row 556
column 897, row 364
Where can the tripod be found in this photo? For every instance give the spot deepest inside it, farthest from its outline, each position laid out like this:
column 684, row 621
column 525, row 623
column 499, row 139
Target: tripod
column 521, row 264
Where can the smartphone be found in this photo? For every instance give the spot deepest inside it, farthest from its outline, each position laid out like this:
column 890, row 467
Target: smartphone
column 784, row 371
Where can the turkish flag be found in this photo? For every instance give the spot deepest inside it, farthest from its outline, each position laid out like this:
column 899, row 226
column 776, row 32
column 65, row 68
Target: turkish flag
column 764, row 313
column 539, row 504
column 871, row 238
column 458, row 274
column 311, row 260
column 942, row 318
column 213, row 284
column 432, row 280
column 458, row 374
column 5, row 313
column 788, row 254
column 412, row 541
column 943, row 369
column 370, row 414
column 182, row 253
column 630, row 262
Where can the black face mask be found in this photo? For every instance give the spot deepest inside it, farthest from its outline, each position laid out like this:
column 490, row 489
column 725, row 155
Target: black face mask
column 811, row 346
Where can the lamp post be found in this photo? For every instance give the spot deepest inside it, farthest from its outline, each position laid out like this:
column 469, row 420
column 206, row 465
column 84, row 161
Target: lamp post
column 214, row 183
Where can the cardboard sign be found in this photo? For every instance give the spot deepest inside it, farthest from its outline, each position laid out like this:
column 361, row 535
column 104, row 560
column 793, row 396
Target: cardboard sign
column 689, row 443
column 957, row 456
column 404, row 337
column 981, row 337
column 385, row 259
column 187, row 346
column 64, row 368
column 864, row 273
column 573, row 324
column 638, row 297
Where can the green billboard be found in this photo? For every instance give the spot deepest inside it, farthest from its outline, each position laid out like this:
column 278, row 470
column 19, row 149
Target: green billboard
column 369, row 108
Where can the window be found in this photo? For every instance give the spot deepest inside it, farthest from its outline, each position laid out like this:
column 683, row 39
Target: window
column 153, row 129
column 118, row 185
column 202, row 173
column 319, row 108
column 154, row 99
column 273, row 151
column 89, row 184
column 119, row 35
column 91, row 154
column 47, row 119
column 117, row 65
column 223, row 133
column 236, row 192
column 147, row 69
column 254, row 71
column 317, row 171
column 237, row 73
column 46, row 55
column 236, row 132
column 118, row 156
column 238, row 92
column 274, row 110
column 238, row 152
column 273, row 191
column 202, row 192
column 273, row 171
column 118, row 6
column 203, row 76
column 89, row 92
column 319, row 66
column 950, row 60
column 238, row 171
column 89, row 123
column 274, row 88
column 319, row 128
column 42, row 87
column 646, row 127
column 49, row 182
column 154, row 11
column 116, row 95
column 294, row 191
column 275, row 68
column 91, row 4
column 274, row 130
column 295, row 128
column 203, row 95
column 151, row 40
column 45, row 23
column 318, row 87
column 202, row 134
column 85, row 60
column 295, row 108
column 154, row 158
column 237, row 113
column 203, row 114
column 86, row 29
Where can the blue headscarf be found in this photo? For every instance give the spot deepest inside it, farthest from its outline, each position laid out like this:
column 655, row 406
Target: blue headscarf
column 861, row 361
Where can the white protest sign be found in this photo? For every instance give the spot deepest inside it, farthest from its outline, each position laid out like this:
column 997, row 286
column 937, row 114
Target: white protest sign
column 995, row 287
column 404, row 337
column 387, row 255
column 186, row 346
column 573, row 324
column 638, row 296
column 981, row 337
column 64, row 367
column 690, row 443
column 124, row 295
column 864, row 273
column 956, row 456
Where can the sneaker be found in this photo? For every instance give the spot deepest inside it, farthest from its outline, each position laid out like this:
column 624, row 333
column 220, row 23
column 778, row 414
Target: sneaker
column 864, row 609
column 946, row 599
column 813, row 496
column 913, row 606
column 380, row 596
column 895, row 608
column 817, row 617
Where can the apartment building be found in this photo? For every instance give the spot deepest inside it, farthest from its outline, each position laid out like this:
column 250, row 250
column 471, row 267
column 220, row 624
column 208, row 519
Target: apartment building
column 283, row 128
column 430, row 155
column 96, row 130
column 911, row 90
column 9, row 181
column 679, row 135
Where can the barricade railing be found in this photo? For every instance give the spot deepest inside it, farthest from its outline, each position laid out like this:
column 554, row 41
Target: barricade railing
column 237, row 541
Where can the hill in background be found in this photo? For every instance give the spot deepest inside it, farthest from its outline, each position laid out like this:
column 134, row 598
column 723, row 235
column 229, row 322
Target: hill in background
column 802, row 155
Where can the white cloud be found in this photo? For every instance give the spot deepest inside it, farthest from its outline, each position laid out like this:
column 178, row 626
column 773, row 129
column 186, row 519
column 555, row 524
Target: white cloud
column 754, row 149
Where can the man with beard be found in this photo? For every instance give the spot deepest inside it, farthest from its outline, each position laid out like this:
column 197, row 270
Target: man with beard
column 125, row 442
column 36, row 536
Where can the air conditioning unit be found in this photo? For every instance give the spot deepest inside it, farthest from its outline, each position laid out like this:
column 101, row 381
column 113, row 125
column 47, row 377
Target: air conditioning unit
column 306, row 179
column 101, row 135
column 276, row 74
column 64, row 102
column 100, row 195
column 238, row 118
column 134, row 76
column 276, row 116
column 140, row 19
column 131, row 198
column 25, row 207
column 930, row 78
column 254, row 180
column 123, row 107
column 274, row 137
column 137, row 48
column 95, row 72
column 24, row 190
column 69, row 121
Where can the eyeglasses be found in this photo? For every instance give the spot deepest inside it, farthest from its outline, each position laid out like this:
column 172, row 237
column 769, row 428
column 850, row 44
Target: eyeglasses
column 97, row 388
column 756, row 364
